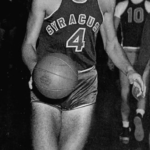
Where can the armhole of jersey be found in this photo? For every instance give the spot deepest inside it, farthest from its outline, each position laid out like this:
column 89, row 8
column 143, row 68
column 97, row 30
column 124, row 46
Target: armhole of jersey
column 147, row 6
column 100, row 10
column 53, row 12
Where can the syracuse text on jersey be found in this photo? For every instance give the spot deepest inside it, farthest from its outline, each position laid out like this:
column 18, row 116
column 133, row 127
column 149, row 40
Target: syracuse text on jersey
column 82, row 20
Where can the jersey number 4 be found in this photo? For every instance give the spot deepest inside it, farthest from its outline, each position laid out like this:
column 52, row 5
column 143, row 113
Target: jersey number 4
column 77, row 40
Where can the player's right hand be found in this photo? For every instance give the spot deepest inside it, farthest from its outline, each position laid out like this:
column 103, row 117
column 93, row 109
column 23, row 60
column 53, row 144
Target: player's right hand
column 30, row 83
column 136, row 93
column 139, row 88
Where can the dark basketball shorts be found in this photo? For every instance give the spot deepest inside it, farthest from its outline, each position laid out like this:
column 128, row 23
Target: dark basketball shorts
column 84, row 94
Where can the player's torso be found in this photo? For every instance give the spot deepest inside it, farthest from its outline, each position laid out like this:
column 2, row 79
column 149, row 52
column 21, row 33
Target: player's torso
column 132, row 22
column 72, row 30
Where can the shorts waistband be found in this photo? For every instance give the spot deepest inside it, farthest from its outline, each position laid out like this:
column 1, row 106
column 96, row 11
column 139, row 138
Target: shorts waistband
column 131, row 49
column 86, row 70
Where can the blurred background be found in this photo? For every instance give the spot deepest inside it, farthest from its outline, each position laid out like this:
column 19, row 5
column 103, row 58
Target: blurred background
column 14, row 94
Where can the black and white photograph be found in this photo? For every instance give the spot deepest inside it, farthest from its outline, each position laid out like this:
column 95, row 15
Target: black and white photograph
column 74, row 74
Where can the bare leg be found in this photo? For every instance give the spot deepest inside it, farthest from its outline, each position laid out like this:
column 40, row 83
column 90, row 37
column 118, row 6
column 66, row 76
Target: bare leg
column 75, row 128
column 139, row 131
column 125, row 108
column 125, row 88
column 142, row 102
column 46, row 125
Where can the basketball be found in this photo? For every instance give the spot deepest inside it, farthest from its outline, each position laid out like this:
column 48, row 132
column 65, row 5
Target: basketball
column 135, row 92
column 55, row 76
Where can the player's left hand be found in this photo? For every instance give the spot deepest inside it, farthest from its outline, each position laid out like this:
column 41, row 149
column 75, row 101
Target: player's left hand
column 139, row 88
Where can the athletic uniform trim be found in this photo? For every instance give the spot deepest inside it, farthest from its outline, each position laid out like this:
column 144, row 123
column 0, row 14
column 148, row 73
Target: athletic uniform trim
column 79, row 2
column 101, row 11
column 61, row 109
column 75, row 2
column 131, row 47
column 47, row 17
column 81, row 71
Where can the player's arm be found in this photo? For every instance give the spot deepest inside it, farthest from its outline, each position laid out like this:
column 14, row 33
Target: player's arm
column 146, row 73
column 116, row 24
column 147, row 6
column 113, row 47
column 34, row 24
column 117, row 17
column 119, row 10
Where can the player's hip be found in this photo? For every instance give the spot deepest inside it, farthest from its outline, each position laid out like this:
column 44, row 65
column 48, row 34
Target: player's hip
column 83, row 95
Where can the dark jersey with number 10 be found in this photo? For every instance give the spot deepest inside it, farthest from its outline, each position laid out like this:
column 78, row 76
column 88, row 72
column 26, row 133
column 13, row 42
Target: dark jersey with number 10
column 132, row 22
column 71, row 30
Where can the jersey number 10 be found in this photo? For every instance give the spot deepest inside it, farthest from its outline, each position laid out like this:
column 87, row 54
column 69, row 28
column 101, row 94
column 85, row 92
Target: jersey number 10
column 136, row 15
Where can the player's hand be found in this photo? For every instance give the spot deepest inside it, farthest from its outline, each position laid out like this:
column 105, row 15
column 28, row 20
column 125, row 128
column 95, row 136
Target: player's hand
column 139, row 88
column 110, row 64
column 135, row 91
column 30, row 83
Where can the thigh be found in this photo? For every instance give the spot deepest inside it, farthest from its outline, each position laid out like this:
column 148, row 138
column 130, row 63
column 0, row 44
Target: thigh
column 146, row 73
column 45, row 126
column 132, row 55
column 146, row 77
column 75, row 127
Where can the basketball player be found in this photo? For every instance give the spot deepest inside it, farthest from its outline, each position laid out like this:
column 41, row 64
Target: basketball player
column 131, row 14
column 143, row 63
column 71, row 27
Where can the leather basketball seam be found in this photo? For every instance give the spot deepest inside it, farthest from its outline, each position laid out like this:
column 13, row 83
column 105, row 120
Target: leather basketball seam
column 59, row 89
column 66, row 64
column 52, row 73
